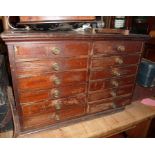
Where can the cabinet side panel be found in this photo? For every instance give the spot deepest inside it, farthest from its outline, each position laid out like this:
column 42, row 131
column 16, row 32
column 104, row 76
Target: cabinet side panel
column 14, row 81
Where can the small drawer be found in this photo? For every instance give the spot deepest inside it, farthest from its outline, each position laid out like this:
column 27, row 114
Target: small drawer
column 43, row 120
column 114, row 47
column 71, row 113
column 111, row 83
column 112, row 72
column 107, row 104
column 55, row 49
column 108, row 93
column 31, row 68
column 31, row 109
column 38, row 121
column 120, row 60
column 100, row 106
column 54, row 80
column 36, row 96
column 123, row 101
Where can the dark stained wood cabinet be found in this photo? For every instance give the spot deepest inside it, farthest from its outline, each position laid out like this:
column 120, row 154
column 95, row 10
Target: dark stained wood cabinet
column 65, row 77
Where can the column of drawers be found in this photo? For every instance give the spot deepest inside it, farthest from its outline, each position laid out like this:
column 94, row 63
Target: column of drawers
column 51, row 81
column 112, row 74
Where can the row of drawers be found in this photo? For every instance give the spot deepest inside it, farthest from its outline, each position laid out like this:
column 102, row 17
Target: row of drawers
column 55, row 80
column 74, row 101
column 33, row 68
column 70, row 49
column 36, row 96
column 70, row 108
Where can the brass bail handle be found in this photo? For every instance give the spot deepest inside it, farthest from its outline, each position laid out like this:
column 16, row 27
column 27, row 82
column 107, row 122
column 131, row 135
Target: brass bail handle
column 113, row 105
column 121, row 48
column 114, row 83
column 119, row 60
column 116, row 72
column 113, row 94
column 56, row 93
column 56, row 50
column 56, row 80
column 58, row 105
column 57, row 117
column 55, row 66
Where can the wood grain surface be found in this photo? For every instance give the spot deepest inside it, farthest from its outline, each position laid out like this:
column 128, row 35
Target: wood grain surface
column 112, row 47
column 118, row 60
column 35, row 96
column 95, row 85
column 50, row 18
column 48, row 80
column 104, row 126
column 72, row 48
column 110, row 72
column 57, row 66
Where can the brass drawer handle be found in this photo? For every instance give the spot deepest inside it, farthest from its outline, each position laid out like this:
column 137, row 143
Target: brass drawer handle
column 119, row 60
column 57, row 118
column 113, row 94
column 114, row 83
column 113, row 105
column 121, row 48
column 56, row 80
column 55, row 66
column 56, row 50
column 58, row 105
column 116, row 72
column 56, row 93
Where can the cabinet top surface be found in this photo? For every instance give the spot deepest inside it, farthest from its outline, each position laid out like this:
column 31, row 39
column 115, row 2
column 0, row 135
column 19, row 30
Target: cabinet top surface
column 11, row 36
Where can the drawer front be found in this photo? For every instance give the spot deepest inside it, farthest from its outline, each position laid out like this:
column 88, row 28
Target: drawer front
column 71, row 113
column 114, row 47
column 102, row 62
column 36, row 96
column 51, row 80
column 103, row 105
column 32, row 68
column 112, row 72
column 103, row 94
column 30, row 109
column 57, row 49
column 43, row 120
column 111, row 83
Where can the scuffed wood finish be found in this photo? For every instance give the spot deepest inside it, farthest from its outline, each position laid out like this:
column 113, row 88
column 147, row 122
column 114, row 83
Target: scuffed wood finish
column 118, row 101
column 66, row 49
column 45, row 119
column 114, row 92
column 35, row 96
column 60, row 78
column 112, row 47
column 104, row 126
column 112, row 72
column 31, row 109
column 111, row 83
column 103, row 105
column 48, row 80
column 30, row 68
column 118, row 60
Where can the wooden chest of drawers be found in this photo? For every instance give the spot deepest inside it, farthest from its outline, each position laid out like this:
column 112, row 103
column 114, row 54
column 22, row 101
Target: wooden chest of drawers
column 61, row 78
